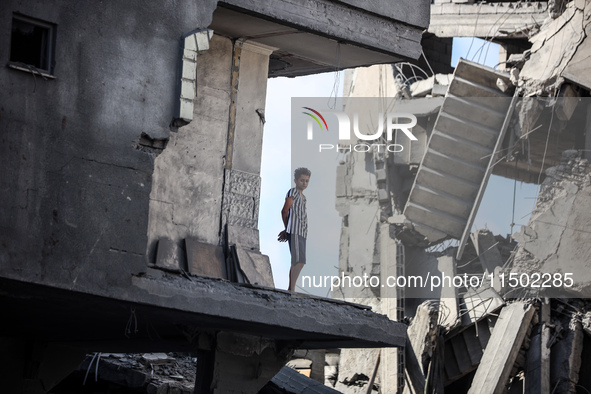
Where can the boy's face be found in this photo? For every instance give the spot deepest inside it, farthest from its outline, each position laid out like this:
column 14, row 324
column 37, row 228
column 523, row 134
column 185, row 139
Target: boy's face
column 302, row 182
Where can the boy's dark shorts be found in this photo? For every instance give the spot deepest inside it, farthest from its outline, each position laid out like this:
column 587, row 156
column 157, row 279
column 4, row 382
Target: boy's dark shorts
column 297, row 247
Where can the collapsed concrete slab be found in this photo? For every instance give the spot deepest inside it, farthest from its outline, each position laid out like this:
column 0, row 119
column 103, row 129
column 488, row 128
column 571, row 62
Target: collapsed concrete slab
column 422, row 334
column 291, row 382
column 204, row 304
column 455, row 168
column 502, row 349
column 555, row 46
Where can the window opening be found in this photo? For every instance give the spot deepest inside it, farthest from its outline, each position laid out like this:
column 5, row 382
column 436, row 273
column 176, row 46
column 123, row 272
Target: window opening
column 32, row 43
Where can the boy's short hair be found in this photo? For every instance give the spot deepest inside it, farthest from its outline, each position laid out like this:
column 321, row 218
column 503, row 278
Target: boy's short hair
column 301, row 171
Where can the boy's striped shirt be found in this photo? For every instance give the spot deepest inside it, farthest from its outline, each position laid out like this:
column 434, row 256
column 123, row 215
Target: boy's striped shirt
column 298, row 218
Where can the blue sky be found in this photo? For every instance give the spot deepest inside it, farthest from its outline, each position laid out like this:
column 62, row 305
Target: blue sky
column 495, row 211
column 276, row 166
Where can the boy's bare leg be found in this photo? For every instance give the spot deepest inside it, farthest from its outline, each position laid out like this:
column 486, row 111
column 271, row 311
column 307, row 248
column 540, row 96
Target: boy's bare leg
column 294, row 273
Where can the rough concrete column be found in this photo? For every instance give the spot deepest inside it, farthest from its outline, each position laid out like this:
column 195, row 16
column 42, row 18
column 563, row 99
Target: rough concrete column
column 389, row 297
column 241, row 364
column 389, row 367
column 318, row 357
column 247, row 142
column 246, row 118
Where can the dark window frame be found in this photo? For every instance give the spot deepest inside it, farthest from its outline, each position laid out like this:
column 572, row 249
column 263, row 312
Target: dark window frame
column 46, row 55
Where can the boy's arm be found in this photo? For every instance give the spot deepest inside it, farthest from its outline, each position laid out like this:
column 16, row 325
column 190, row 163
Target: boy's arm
column 285, row 211
column 282, row 237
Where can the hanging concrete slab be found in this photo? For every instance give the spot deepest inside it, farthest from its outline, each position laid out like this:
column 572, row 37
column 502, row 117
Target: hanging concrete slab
column 453, row 172
column 577, row 69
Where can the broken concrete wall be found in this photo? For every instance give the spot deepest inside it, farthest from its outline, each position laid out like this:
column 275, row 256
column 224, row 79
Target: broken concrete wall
column 422, row 338
column 492, row 19
column 220, row 151
column 554, row 47
column 556, row 238
column 438, row 53
column 355, row 370
column 187, row 202
column 75, row 187
column 361, row 248
column 420, row 263
column 357, row 202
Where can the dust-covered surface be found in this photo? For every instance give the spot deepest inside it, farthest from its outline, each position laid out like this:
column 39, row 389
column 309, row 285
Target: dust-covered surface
column 555, row 240
column 151, row 373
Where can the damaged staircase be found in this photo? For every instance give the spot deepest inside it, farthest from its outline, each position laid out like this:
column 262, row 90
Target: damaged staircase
column 463, row 351
column 455, row 168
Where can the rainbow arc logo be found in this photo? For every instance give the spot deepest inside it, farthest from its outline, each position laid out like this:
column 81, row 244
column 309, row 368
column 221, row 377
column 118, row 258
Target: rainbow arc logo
column 315, row 118
column 387, row 123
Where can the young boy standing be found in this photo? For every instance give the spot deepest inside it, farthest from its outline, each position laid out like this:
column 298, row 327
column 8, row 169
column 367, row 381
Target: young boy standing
column 295, row 219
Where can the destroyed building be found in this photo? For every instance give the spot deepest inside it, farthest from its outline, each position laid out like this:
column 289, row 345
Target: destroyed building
column 411, row 213
column 131, row 153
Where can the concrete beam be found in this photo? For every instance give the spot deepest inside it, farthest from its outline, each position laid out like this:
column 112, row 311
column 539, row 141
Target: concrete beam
column 174, row 308
column 537, row 369
column 321, row 35
column 326, row 18
column 422, row 335
column 482, row 20
column 502, row 349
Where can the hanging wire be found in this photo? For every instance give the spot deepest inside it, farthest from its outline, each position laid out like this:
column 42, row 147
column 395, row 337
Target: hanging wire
column 407, row 80
column 489, row 35
column 514, row 194
column 337, row 79
column 546, row 147
column 427, row 61
column 475, row 26
column 96, row 356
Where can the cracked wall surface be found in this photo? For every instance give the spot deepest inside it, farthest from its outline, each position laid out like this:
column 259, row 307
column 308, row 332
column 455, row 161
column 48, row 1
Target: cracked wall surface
column 557, row 236
column 188, row 175
column 553, row 48
column 74, row 187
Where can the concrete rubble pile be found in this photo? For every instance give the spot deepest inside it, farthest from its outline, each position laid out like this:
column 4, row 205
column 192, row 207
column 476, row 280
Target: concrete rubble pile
column 163, row 373
column 413, row 214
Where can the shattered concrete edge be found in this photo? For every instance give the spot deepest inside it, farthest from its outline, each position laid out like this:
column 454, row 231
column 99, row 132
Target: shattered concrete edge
column 261, row 306
column 193, row 44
